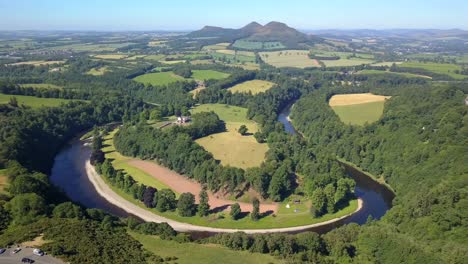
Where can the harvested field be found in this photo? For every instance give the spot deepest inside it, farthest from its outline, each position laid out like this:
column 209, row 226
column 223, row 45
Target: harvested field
column 289, row 58
column 358, row 109
column 253, row 86
column 361, row 98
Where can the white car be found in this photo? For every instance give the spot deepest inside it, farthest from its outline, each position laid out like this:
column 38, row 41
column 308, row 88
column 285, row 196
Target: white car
column 38, row 252
column 16, row 250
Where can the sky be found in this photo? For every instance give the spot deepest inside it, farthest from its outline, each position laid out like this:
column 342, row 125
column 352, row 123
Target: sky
column 120, row 15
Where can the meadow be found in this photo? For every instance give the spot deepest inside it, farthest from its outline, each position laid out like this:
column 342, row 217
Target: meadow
column 164, row 78
column 208, row 74
column 111, row 56
column 289, row 58
column 233, row 58
column 91, row 47
column 200, row 253
column 218, row 46
column 98, row 71
column 253, row 86
column 230, row 147
column 32, row 101
column 403, row 74
column 440, row 68
column 358, row 109
column 257, row 45
column 38, row 63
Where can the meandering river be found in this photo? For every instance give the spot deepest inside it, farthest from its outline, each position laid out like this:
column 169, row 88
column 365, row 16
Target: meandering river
column 69, row 174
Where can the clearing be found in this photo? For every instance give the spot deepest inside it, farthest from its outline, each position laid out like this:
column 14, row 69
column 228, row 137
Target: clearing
column 200, row 253
column 358, row 109
column 98, row 71
column 253, row 86
column 230, row 147
column 289, row 58
column 164, row 78
column 33, row 101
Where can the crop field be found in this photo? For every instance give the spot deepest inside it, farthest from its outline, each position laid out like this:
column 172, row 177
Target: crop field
column 172, row 61
column 386, row 63
column 441, row 68
column 32, row 101
column 98, row 71
column 154, row 57
column 208, row 74
column 91, row 47
column 158, row 78
column 218, row 46
column 230, row 147
column 257, row 45
column 289, row 58
column 232, row 58
column 156, row 43
column 111, row 56
column 403, row 74
column 253, row 86
column 200, row 253
column 236, row 52
column 358, row 109
column 120, row 162
column 41, row 85
column 346, row 58
column 38, row 63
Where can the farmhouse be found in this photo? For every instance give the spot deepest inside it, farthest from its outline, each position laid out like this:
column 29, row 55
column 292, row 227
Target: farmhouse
column 183, row 120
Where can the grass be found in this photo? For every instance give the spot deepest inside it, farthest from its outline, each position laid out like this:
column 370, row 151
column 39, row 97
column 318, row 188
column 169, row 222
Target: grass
column 218, row 46
column 188, row 253
column 91, row 47
column 289, row 58
column 154, row 57
column 257, row 45
column 403, row 74
column 32, row 101
column 158, row 78
column 359, row 114
column 254, row 87
column 111, row 56
column 440, row 68
column 41, row 85
column 120, row 162
column 38, row 63
column 98, row 71
column 208, row 74
column 237, row 58
column 230, row 147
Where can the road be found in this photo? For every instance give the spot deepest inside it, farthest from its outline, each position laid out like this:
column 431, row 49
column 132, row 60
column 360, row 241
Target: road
column 107, row 193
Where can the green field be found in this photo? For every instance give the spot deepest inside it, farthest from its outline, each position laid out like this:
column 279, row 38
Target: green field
column 91, row 47
column 208, row 74
column 188, row 253
column 158, row 78
column 403, row 74
column 359, row 114
column 254, row 87
column 440, row 68
column 40, row 85
column 32, row 101
column 289, row 58
column 230, row 147
column 111, row 56
column 98, row 71
column 257, row 45
column 231, row 58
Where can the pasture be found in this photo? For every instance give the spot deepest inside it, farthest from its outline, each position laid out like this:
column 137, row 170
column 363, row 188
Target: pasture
column 233, row 58
column 289, row 58
column 403, row 74
column 100, row 47
column 158, row 78
column 218, row 46
column 32, row 101
column 253, row 86
column 358, row 109
column 257, row 45
column 230, row 147
column 208, row 74
column 111, row 56
column 200, row 253
column 98, row 71
column 37, row 63
column 440, row 68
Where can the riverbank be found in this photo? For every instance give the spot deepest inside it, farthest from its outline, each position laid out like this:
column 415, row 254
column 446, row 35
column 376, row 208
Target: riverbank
column 112, row 197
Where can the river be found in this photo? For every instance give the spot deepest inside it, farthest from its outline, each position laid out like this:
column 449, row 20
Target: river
column 69, row 174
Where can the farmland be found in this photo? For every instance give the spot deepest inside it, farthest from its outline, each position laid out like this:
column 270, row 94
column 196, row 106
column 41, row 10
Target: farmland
column 440, row 68
column 98, row 71
column 257, row 45
column 358, row 109
column 200, row 253
column 38, row 63
column 40, row 85
column 218, row 46
column 111, row 56
column 254, row 87
column 403, row 74
column 289, row 58
column 158, row 78
column 230, row 147
column 208, row 74
column 32, row 101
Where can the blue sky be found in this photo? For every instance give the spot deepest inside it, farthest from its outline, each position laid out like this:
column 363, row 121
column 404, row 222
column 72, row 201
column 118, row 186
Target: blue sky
column 187, row 15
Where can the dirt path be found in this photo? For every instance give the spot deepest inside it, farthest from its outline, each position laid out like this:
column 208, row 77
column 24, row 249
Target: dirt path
column 107, row 193
column 182, row 184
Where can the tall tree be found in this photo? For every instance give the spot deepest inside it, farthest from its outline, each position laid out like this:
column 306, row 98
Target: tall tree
column 204, row 206
column 186, row 204
column 255, row 214
column 235, row 211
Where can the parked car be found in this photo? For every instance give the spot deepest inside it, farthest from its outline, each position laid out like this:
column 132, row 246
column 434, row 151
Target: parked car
column 16, row 250
column 2, row 250
column 27, row 260
column 38, row 252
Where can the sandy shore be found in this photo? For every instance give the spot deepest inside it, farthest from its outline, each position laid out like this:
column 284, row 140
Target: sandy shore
column 107, row 193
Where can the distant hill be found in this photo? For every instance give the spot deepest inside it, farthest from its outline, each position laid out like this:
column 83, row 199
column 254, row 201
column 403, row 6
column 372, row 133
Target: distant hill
column 255, row 32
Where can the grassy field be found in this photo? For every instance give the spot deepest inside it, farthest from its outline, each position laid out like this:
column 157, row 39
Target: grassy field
column 254, row 87
column 218, row 46
column 120, row 162
column 154, row 57
column 91, row 47
column 188, row 253
column 40, row 85
column 386, row 63
column 32, row 101
column 289, row 58
column 441, row 68
column 230, row 147
column 38, row 63
column 257, row 45
column 403, row 74
column 158, row 78
column 238, row 58
column 111, row 56
column 357, row 109
column 208, row 74
column 98, row 71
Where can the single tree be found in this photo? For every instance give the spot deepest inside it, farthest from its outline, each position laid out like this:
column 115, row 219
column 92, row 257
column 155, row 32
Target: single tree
column 204, row 206
column 166, row 200
column 235, row 211
column 186, row 204
column 255, row 214
column 243, row 130
column 148, row 196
